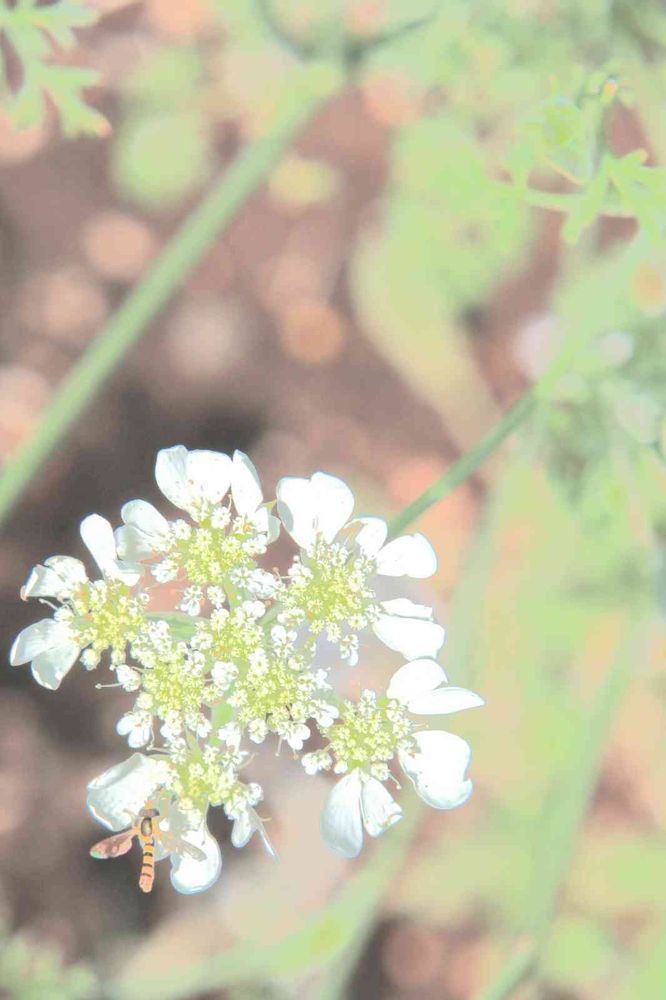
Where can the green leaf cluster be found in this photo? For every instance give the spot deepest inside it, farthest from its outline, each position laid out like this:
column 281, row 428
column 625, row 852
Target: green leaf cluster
column 566, row 137
column 34, row 33
column 609, row 410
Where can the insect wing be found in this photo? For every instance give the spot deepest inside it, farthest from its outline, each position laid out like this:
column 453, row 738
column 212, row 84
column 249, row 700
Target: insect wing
column 189, row 850
column 115, row 846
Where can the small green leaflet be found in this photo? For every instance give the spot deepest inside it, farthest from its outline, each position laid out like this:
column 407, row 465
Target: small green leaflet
column 567, row 137
column 641, row 190
column 35, row 33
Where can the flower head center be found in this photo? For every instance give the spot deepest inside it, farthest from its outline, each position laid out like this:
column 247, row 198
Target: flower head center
column 369, row 735
column 330, row 589
column 107, row 616
column 200, row 780
column 214, row 550
column 230, row 636
column 174, row 686
column 275, row 690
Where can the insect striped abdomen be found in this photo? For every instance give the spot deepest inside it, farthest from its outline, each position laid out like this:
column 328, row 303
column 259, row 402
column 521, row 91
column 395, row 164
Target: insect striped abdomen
column 147, row 838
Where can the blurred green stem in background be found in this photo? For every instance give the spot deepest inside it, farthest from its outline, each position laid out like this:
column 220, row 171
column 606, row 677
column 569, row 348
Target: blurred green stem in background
column 466, row 465
column 316, row 83
column 505, row 427
column 556, row 201
column 565, row 815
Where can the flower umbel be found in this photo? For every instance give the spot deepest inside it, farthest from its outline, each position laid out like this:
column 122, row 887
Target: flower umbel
column 92, row 616
column 333, row 581
column 371, row 735
column 240, row 661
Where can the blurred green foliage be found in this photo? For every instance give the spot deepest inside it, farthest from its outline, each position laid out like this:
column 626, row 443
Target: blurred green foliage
column 607, row 414
column 31, row 971
column 496, row 114
column 162, row 150
column 579, row 954
column 33, row 32
column 547, row 611
column 441, row 209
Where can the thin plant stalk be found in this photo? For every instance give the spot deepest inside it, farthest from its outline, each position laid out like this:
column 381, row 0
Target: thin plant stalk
column 514, row 418
column 466, row 465
column 556, row 201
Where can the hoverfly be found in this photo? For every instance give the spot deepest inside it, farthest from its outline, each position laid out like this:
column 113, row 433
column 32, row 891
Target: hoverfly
column 145, row 829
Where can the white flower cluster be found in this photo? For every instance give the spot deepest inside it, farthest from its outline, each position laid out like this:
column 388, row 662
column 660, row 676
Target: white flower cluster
column 241, row 660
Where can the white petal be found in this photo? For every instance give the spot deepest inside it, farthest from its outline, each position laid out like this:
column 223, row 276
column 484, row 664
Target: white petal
column 187, row 477
column 266, row 523
column 125, row 724
column 372, row 535
column 210, row 474
column 130, row 544
column 171, row 474
column 128, row 572
column 244, row 828
column 407, row 609
column 41, row 583
column 333, row 504
column 272, row 528
column 97, row 535
column 137, row 730
column 38, row 638
column 72, row 571
column 415, row 678
column 116, row 797
column 245, row 485
column 409, row 555
column 444, row 701
column 413, row 637
column 341, row 826
column 144, row 517
column 295, row 505
column 60, row 576
column 49, row 668
column 379, row 808
column 438, row 769
column 144, row 529
column 190, row 875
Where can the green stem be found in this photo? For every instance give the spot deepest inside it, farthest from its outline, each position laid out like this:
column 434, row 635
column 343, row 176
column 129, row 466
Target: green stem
column 207, row 222
column 564, row 819
column 466, row 465
column 511, row 975
column 505, row 427
column 555, row 201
